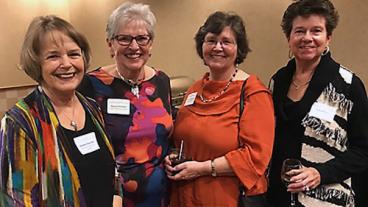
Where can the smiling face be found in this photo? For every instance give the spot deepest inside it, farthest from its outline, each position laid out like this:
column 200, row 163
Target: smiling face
column 133, row 56
column 308, row 38
column 219, row 51
column 62, row 63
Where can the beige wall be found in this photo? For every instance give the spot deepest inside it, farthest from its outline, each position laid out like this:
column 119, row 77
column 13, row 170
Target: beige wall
column 178, row 20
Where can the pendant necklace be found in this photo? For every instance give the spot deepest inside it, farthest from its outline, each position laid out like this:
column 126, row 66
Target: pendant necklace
column 134, row 87
column 73, row 123
column 204, row 100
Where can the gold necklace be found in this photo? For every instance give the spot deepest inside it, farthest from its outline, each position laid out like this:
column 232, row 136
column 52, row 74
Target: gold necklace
column 204, row 100
column 134, row 86
column 297, row 86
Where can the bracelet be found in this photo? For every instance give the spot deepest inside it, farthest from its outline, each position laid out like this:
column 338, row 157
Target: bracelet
column 213, row 169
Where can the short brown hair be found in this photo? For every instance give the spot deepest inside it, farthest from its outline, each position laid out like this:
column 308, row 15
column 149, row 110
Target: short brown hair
column 305, row 8
column 215, row 23
column 30, row 52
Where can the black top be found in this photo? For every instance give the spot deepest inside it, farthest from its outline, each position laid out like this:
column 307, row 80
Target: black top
column 95, row 169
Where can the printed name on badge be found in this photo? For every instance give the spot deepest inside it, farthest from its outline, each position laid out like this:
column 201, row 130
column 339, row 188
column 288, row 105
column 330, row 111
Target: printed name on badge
column 190, row 99
column 86, row 143
column 323, row 111
column 118, row 106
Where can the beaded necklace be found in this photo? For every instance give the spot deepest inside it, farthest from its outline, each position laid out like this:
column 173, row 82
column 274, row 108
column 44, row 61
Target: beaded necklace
column 204, row 100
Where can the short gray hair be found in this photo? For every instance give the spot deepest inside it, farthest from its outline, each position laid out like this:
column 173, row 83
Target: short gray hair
column 127, row 12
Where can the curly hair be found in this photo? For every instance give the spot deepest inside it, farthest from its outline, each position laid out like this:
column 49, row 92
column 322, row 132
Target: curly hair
column 305, row 8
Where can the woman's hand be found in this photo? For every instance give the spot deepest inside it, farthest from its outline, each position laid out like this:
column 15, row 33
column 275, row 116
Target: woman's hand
column 305, row 179
column 189, row 170
column 168, row 168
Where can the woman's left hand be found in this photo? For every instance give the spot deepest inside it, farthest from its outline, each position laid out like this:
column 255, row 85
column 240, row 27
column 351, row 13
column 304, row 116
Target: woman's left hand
column 191, row 169
column 307, row 178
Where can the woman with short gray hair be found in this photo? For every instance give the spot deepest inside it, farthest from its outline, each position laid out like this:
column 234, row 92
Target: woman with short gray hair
column 135, row 99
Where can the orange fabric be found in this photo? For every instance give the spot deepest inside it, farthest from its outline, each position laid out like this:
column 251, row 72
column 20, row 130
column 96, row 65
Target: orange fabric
column 209, row 130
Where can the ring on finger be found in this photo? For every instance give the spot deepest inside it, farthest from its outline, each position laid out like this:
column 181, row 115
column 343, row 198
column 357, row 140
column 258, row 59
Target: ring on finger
column 306, row 188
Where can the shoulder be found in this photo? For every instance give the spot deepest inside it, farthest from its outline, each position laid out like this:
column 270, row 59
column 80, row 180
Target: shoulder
column 103, row 74
column 254, row 85
column 160, row 74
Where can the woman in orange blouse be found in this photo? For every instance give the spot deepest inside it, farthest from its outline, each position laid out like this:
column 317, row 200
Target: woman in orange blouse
column 208, row 123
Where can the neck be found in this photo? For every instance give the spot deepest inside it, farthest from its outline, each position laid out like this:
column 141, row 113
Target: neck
column 60, row 99
column 132, row 75
column 306, row 67
column 222, row 75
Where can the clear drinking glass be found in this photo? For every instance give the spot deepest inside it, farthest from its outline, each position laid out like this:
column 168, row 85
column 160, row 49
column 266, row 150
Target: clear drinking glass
column 287, row 165
column 177, row 156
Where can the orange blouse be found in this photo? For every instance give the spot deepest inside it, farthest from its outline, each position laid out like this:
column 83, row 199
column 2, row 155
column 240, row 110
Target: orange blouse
column 209, row 130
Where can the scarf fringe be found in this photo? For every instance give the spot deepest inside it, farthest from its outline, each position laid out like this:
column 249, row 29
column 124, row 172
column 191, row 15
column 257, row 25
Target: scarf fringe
column 321, row 128
column 332, row 196
column 344, row 104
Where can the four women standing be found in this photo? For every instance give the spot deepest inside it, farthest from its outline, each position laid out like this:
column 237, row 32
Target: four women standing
column 51, row 140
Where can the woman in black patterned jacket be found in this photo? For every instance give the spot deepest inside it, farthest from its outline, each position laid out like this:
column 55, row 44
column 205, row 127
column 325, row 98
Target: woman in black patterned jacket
column 321, row 114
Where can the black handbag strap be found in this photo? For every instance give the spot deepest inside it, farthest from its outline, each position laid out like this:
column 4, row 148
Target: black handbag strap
column 241, row 108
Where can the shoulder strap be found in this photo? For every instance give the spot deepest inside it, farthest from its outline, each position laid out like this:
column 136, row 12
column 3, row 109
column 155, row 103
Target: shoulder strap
column 241, row 108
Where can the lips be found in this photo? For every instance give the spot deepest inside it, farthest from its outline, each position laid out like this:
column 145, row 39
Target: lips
column 306, row 47
column 218, row 55
column 65, row 75
column 133, row 55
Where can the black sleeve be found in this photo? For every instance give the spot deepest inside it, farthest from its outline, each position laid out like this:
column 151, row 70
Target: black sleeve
column 86, row 88
column 355, row 159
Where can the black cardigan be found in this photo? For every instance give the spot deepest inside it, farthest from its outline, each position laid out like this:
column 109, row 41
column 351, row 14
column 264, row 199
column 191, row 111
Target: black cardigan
column 290, row 131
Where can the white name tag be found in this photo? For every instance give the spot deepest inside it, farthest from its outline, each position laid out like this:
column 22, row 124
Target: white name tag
column 86, row 143
column 190, row 99
column 118, row 106
column 323, row 111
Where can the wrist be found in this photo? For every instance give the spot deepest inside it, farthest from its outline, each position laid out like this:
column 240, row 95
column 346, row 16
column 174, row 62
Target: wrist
column 213, row 168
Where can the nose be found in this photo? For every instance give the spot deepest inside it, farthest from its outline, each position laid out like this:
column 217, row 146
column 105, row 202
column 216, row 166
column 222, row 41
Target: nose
column 65, row 61
column 133, row 44
column 307, row 36
column 218, row 45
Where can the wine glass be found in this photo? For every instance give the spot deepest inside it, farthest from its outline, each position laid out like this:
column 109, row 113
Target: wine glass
column 287, row 165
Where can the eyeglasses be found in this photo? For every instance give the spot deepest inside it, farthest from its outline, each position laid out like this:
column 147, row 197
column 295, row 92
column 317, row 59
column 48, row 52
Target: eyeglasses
column 223, row 43
column 125, row 40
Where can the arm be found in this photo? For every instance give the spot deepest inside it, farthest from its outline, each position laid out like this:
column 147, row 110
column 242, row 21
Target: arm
column 19, row 175
column 257, row 127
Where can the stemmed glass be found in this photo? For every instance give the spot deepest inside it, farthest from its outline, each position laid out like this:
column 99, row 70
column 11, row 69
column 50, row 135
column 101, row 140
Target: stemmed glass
column 287, row 165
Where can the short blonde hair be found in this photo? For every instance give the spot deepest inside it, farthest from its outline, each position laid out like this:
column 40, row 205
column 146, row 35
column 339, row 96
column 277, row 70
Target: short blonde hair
column 29, row 56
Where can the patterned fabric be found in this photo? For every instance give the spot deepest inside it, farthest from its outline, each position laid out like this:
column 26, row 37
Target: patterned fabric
column 35, row 168
column 140, row 139
column 325, row 130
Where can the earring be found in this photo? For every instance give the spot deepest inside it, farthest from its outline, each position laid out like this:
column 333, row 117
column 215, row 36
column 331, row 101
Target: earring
column 290, row 54
column 326, row 50
column 112, row 55
column 150, row 54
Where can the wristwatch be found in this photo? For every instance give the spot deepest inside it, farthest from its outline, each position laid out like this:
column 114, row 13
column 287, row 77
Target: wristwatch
column 213, row 169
